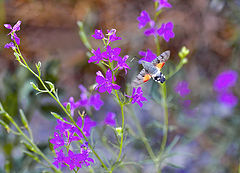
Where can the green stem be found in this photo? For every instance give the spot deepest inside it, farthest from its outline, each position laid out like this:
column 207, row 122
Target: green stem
column 143, row 136
column 157, row 45
column 121, row 144
column 179, row 66
column 122, row 113
column 165, row 128
column 60, row 104
column 36, row 149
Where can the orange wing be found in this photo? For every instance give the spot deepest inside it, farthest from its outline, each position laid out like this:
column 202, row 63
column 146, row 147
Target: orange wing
column 142, row 77
column 146, row 77
column 160, row 65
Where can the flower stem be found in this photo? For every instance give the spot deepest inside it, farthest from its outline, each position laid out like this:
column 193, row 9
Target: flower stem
column 121, row 144
column 165, row 128
column 143, row 136
column 35, row 147
column 55, row 97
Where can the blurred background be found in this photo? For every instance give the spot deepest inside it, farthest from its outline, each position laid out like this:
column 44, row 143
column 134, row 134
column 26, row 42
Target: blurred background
column 210, row 29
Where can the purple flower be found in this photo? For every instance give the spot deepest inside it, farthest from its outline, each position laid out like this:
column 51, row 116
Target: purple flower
column 8, row 45
column 137, row 96
column 97, row 56
column 166, row 31
column 57, row 141
column 78, row 160
column 70, row 160
column 73, row 104
column 87, row 126
column 228, row 99
column 110, row 119
column 149, row 56
column 111, row 53
column 182, row 88
column 96, row 101
column 15, row 28
column 98, row 34
column 122, row 63
column 83, row 97
column 112, row 36
column 225, row 80
column 150, row 31
column 106, row 84
column 143, row 19
column 67, row 130
column 59, row 159
column 14, row 36
column 162, row 4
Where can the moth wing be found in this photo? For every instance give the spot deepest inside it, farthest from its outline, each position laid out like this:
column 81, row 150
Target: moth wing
column 142, row 77
column 161, row 59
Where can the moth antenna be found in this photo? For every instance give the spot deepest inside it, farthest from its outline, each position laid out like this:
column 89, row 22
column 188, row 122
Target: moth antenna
column 134, row 58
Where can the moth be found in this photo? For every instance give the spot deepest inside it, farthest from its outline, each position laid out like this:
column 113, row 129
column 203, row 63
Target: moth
column 152, row 70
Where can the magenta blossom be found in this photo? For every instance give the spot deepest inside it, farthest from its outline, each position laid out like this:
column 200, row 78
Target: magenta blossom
column 78, row 160
column 148, row 56
column 14, row 36
column 88, row 124
column 111, row 53
column 137, row 96
column 95, row 101
column 150, row 31
column 112, row 36
column 182, row 88
column 228, row 99
column 225, row 80
column 143, row 19
column 106, row 84
column 166, row 31
column 59, row 159
column 10, row 45
column 86, row 101
column 98, row 34
column 122, row 63
column 97, row 56
column 15, row 28
column 110, row 119
column 73, row 105
column 163, row 4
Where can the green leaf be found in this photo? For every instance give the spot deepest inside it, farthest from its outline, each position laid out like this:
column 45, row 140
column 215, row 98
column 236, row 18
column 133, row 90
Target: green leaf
column 38, row 66
column 23, row 118
column 5, row 125
column 68, row 108
column 173, row 143
column 83, row 36
column 174, row 166
column 57, row 116
column 51, row 85
column 34, row 157
column 35, row 87
column 28, row 146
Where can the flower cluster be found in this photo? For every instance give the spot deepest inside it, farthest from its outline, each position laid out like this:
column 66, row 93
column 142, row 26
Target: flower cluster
column 111, row 58
column 164, row 31
column 137, row 96
column 13, row 34
column 64, row 135
column 86, row 100
column 148, row 56
column 223, row 84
